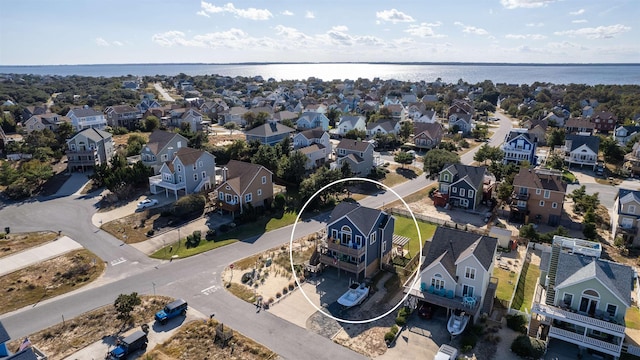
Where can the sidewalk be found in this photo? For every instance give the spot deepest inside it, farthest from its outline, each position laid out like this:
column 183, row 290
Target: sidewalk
column 38, row 254
column 158, row 242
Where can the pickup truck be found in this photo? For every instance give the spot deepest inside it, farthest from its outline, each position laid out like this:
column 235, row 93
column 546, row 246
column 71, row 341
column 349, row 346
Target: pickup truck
column 128, row 345
column 171, row 310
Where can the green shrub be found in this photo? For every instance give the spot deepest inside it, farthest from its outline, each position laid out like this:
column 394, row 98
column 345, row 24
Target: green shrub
column 401, row 321
column 389, row 336
column 211, row 233
column 188, row 205
column 517, row 323
column 279, row 201
column 528, row 347
column 151, row 232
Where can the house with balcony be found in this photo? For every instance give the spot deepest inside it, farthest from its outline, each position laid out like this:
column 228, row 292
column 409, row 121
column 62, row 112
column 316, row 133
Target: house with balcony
column 269, row 133
column 311, row 120
column 626, row 133
column 625, row 221
column 537, row 129
column 86, row 117
column 160, row 148
column 315, row 144
column 358, row 154
column 427, row 135
column 188, row 172
column 582, row 299
column 604, row 121
column 519, row 146
column 538, row 195
column 579, row 125
column 50, row 121
column 122, row 115
column 349, row 122
column 581, row 150
column 632, row 160
column 242, row 185
column 233, row 114
column 383, row 127
column 456, row 272
column 464, row 186
column 89, row 148
column 359, row 240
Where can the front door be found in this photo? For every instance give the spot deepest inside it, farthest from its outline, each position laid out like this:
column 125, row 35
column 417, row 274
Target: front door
column 467, row 290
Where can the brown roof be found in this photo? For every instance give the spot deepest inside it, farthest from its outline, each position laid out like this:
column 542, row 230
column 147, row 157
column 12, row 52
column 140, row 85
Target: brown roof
column 159, row 139
column 188, row 155
column 311, row 148
column 580, row 123
column 315, row 133
column 604, row 115
column 353, row 145
column 430, row 129
column 540, row 179
column 240, row 174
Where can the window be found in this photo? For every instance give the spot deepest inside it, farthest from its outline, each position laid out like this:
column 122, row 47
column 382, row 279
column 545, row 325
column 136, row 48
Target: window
column 522, row 203
column 204, row 174
column 248, row 197
column 235, row 199
column 259, row 192
column 538, row 191
column 372, row 239
column 195, row 177
column 163, row 157
column 264, row 180
column 547, row 194
column 612, row 310
column 567, row 300
column 461, row 192
column 632, row 209
column 359, row 241
column 445, row 177
column 195, row 167
column 470, row 273
column 467, row 290
column 384, row 247
column 179, row 168
column 589, row 302
column 454, row 190
column 437, row 282
column 179, row 178
column 470, row 194
column 221, row 195
column 200, row 163
column 334, row 233
column 541, row 203
column 346, row 235
column 554, row 205
column 229, row 198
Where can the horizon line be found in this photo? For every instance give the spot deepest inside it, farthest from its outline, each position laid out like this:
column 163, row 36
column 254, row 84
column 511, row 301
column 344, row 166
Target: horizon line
column 345, row 62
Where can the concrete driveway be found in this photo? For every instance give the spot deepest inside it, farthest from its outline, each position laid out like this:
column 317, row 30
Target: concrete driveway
column 420, row 339
column 129, row 208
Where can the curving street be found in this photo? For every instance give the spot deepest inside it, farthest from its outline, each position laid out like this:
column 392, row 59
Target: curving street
column 196, row 279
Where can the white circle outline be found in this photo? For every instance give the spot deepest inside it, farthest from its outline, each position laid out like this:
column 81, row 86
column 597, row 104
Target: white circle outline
column 293, row 230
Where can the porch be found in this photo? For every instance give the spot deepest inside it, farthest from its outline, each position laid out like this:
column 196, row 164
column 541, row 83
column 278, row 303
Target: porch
column 156, row 184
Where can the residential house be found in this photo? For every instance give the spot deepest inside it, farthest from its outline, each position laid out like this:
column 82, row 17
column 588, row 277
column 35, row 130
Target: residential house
column 160, row 148
column 86, row 117
column 122, row 115
column 538, row 195
column 632, row 160
column 579, row 125
column 537, row 129
column 88, row 148
column 519, row 146
column 359, row 240
column 623, row 134
column 462, row 122
column 358, row 154
column 148, row 102
column 315, row 144
column 587, row 111
column 312, row 120
column 383, row 127
column 233, row 114
column 270, row 133
column 319, row 108
column 429, row 116
column 581, row 150
column 130, row 84
column 427, row 135
column 459, row 107
column 32, row 110
column 397, row 111
column 584, row 299
column 555, row 120
column 285, row 115
column 40, row 122
column 456, row 272
column 192, row 117
column 625, row 221
column 416, row 110
column 349, row 122
column 188, row 172
column 244, row 184
column 604, row 121
column 465, row 186
column 26, row 351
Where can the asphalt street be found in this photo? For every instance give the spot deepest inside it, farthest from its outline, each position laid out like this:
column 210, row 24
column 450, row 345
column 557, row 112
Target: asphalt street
column 196, row 279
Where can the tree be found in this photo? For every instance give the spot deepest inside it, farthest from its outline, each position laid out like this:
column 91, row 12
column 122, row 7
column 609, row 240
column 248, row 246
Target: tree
column 355, row 134
column 135, row 142
column 267, row 157
column 403, row 158
column 125, row 304
column 486, row 152
column 555, row 161
column 504, row 191
column 333, row 115
column 612, row 152
column 292, row 169
column 231, row 126
column 151, row 123
column 406, row 129
column 238, row 150
column 555, row 138
column 346, row 171
column 528, row 232
column 436, row 159
column 589, row 231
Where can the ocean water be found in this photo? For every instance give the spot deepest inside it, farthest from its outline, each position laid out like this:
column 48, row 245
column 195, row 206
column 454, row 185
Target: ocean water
column 608, row 74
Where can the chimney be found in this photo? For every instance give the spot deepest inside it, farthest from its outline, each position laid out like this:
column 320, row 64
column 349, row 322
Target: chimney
column 224, row 173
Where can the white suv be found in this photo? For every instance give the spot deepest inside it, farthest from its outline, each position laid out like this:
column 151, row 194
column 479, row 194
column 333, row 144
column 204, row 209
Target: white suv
column 446, row 352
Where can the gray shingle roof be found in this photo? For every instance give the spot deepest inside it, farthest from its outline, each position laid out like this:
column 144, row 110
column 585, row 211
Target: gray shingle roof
column 473, row 174
column 386, row 124
column 240, row 174
column 269, row 129
column 4, row 335
column 351, row 120
column 430, row 129
column 315, row 133
column 592, row 142
column 448, row 245
column 514, row 134
column 84, row 112
column 363, row 218
column 353, row 145
column 94, row 134
column 159, row 139
column 26, row 354
column 626, row 195
column 532, row 179
column 577, row 268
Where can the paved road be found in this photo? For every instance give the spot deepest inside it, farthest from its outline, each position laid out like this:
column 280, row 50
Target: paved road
column 196, row 279
column 165, row 95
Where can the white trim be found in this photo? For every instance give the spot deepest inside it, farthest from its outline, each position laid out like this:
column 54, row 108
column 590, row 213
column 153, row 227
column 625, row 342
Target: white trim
column 606, row 309
column 563, row 296
column 472, row 272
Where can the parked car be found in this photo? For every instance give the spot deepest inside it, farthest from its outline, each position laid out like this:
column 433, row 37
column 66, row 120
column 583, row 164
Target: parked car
column 147, row 203
column 425, row 310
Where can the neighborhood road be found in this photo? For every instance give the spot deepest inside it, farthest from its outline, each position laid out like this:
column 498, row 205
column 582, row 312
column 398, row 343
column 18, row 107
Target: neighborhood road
column 197, row 279
column 165, row 95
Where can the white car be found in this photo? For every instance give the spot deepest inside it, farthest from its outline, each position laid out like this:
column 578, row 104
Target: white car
column 147, row 203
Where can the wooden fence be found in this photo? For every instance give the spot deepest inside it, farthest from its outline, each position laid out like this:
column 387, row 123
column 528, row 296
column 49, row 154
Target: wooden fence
column 434, row 220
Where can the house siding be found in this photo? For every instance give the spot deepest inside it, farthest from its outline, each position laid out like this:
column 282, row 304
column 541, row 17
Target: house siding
column 606, row 297
column 481, row 278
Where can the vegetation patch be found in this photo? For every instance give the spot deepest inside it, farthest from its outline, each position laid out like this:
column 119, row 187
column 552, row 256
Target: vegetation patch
column 526, row 287
column 49, row 279
column 632, row 318
column 13, row 243
column 406, row 227
column 506, row 283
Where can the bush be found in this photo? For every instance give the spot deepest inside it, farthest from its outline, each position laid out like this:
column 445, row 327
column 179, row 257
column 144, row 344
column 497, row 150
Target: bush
column 151, row 232
column 211, row 233
column 401, row 321
column 279, row 201
column 389, row 336
column 468, row 339
column 278, row 295
column 528, row 347
column 517, row 323
column 193, row 240
column 189, row 205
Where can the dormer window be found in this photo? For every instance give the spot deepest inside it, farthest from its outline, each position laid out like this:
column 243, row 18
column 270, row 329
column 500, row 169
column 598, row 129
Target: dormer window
column 445, row 177
column 632, row 209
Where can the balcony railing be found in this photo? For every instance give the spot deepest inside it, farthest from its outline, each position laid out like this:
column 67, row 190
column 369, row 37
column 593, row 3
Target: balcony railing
column 628, row 230
column 582, row 340
column 157, row 181
column 520, row 196
column 343, row 265
column 578, row 319
column 335, row 245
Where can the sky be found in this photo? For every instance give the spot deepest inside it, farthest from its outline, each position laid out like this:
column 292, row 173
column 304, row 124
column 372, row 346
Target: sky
column 53, row 32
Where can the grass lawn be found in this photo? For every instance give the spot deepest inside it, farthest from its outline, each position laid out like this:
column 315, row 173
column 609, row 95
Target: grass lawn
column 632, row 318
column 13, row 243
column 406, row 227
column 506, row 283
column 526, row 287
column 568, row 176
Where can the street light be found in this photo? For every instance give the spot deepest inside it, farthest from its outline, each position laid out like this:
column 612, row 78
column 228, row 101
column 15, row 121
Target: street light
column 154, row 288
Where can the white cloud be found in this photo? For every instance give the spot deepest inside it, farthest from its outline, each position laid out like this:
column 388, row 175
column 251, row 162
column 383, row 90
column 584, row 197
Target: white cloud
column 600, row 32
column 534, row 24
column 424, row 30
column 310, row 15
column 118, row 43
column 578, row 21
column 202, row 13
column 471, row 29
column 579, row 12
column 514, row 4
column 526, row 36
column 340, row 28
column 291, row 33
column 287, row 13
column 248, row 13
column 102, row 42
column 393, row 16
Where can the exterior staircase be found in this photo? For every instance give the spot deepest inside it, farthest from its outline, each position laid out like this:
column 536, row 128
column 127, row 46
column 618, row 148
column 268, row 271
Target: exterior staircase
column 534, row 326
column 553, row 269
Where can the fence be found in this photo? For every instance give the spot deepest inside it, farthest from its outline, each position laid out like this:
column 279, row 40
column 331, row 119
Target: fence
column 434, row 220
column 522, row 277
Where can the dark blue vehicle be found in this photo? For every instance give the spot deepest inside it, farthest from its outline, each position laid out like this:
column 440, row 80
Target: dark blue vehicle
column 171, row 310
column 137, row 340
